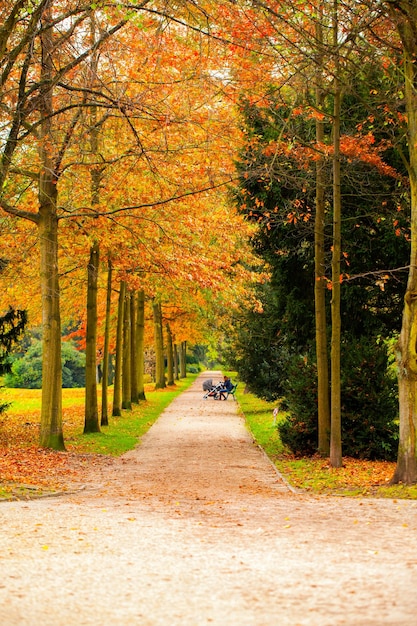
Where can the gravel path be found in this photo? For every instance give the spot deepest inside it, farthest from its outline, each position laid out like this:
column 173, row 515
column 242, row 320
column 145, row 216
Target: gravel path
column 195, row 527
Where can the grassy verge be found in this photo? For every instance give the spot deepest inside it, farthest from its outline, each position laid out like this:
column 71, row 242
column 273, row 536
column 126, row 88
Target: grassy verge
column 123, row 433
column 314, row 475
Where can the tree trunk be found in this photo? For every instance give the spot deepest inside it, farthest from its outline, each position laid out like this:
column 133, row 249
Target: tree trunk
column 127, row 357
column 140, row 344
column 159, row 346
column 51, row 434
column 320, row 286
column 133, row 346
column 117, row 390
column 170, row 357
column 105, row 380
column 336, row 417
column 183, row 359
column 176, row 369
column 91, row 419
column 406, row 469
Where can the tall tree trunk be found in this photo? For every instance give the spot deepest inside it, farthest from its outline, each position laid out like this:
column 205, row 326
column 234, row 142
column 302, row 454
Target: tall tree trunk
column 176, row 368
column 320, row 287
column 140, row 344
column 127, row 356
column 405, row 13
column 133, row 346
column 91, row 419
column 183, row 359
column 170, row 357
column 336, row 417
column 159, row 346
column 117, row 389
column 105, row 380
column 51, row 433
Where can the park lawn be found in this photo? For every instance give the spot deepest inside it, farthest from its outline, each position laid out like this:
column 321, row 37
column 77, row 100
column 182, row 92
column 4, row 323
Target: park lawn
column 27, row 470
column 314, row 474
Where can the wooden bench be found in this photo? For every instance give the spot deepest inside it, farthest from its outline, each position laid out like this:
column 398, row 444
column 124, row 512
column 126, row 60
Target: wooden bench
column 232, row 392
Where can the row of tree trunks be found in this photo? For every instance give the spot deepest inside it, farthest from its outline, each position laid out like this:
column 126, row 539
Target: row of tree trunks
column 129, row 366
column 117, row 385
column 130, row 338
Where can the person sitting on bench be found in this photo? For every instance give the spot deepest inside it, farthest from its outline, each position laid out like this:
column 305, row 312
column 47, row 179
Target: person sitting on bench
column 225, row 389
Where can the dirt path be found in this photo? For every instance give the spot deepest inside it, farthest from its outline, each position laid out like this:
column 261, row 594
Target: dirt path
column 195, row 527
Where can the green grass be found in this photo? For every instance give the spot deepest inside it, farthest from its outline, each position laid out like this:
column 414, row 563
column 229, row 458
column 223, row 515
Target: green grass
column 260, row 420
column 27, row 400
column 314, row 474
column 123, row 433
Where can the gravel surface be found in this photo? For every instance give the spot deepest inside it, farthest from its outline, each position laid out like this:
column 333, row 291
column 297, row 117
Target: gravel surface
column 196, row 527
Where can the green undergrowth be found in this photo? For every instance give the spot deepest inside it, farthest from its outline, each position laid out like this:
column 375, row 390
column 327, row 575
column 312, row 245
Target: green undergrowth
column 123, row 433
column 357, row 478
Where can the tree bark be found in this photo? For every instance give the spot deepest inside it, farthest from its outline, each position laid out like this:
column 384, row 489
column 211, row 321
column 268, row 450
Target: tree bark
column 336, row 417
column 405, row 15
column 133, row 347
column 127, row 356
column 117, row 390
column 140, row 344
column 51, row 433
column 176, row 368
column 320, row 287
column 183, row 359
column 170, row 357
column 91, row 419
column 159, row 346
column 105, row 380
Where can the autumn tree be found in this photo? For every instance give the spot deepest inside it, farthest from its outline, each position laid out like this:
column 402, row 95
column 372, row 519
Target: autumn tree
column 47, row 126
column 40, row 45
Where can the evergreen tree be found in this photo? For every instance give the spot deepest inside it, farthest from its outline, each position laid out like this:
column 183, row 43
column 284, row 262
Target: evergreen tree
column 12, row 325
column 276, row 191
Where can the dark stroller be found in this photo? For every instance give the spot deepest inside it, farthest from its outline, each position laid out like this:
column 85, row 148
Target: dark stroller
column 212, row 391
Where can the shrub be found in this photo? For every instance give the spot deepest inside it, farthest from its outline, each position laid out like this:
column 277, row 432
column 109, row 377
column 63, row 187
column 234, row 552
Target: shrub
column 369, row 404
column 298, row 432
column 26, row 371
